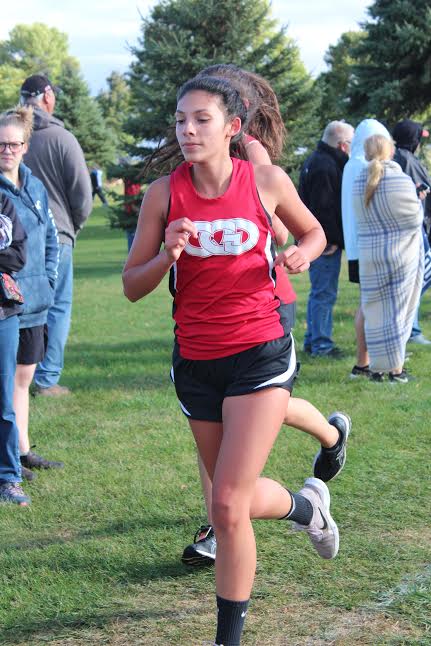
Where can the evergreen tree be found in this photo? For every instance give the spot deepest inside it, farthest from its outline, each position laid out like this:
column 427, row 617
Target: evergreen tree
column 393, row 78
column 115, row 106
column 82, row 116
column 334, row 83
column 181, row 37
column 30, row 49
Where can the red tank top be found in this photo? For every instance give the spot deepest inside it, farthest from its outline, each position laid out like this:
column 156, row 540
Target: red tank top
column 223, row 282
column 283, row 288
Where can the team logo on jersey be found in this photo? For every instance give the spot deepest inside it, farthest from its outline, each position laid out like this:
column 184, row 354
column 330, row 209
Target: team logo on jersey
column 231, row 237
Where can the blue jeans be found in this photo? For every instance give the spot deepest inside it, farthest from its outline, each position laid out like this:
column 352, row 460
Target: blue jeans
column 59, row 315
column 324, row 273
column 10, row 465
column 416, row 328
column 130, row 237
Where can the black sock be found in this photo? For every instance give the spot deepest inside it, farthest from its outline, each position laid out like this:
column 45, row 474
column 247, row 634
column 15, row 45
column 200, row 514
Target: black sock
column 301, row 511
column 337, row 443
column 230, row 621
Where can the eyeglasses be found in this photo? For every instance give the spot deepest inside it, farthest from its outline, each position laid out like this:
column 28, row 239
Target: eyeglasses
column 14, row 146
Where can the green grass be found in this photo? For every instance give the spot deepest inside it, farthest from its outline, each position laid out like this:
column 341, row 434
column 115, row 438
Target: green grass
column 95, row 559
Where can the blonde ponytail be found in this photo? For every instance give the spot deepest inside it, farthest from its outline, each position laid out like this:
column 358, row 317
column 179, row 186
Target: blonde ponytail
column 21, row 117
column 377, row 150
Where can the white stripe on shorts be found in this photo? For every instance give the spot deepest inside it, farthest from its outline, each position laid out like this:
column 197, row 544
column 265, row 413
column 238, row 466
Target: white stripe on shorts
column 183, row 408
column 280, row 379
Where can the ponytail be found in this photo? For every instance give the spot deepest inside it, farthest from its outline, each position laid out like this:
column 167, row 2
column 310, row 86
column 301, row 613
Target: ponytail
column 377, row 149
column 375, row 174
column 22, row 117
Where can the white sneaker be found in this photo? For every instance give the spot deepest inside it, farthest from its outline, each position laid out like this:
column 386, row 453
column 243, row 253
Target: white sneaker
column 325, row 539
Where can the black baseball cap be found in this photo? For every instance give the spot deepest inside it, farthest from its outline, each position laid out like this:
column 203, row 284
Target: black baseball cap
column 36, row 85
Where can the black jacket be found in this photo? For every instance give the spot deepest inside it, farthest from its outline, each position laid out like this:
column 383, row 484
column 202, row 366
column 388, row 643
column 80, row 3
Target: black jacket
column 320, row 189
column 13, row 258
column 412, row 166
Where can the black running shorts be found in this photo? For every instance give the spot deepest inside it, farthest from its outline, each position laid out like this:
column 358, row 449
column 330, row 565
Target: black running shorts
column 32, row 345
column 201, row 385
column 354, row 271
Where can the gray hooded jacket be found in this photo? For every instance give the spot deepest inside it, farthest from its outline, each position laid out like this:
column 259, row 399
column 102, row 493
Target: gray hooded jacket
column 56, row 158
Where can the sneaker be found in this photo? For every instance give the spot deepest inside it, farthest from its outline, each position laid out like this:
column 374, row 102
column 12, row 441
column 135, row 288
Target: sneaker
column 203, row 549
column 35, row 461
column 420, row 339
column 360, row 371
column 12, row 492
column 27, row 474
column 377, row 377
column 333, row 353
column 324, row 539
column 399, row 377
column 329, row 462
column 52, row 391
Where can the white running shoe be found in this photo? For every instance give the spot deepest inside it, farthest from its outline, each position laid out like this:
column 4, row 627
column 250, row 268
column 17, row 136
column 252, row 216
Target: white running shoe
column 322, row 530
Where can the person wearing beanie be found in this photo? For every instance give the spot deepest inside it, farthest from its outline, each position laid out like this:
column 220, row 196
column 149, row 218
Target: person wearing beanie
column 408, row 136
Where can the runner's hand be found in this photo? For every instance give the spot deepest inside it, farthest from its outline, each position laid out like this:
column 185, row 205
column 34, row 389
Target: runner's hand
column 176, row 237
column 293, row 259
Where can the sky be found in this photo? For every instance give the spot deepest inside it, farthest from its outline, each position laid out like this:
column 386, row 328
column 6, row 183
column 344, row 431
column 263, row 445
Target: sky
column 101, row 32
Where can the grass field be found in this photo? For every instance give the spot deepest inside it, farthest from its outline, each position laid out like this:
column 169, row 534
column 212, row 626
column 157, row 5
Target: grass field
column 95, row 559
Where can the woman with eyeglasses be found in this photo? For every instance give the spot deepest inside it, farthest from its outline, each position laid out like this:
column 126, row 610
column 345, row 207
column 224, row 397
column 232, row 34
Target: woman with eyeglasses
column 37, row 278
column 12, row 258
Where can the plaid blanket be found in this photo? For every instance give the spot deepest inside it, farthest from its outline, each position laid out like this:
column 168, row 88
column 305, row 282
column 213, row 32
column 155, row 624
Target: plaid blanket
column 391, row 263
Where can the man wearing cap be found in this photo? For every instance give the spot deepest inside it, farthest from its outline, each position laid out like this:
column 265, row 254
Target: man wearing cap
column 407, row 135
column 56, row 158
column 320, row 190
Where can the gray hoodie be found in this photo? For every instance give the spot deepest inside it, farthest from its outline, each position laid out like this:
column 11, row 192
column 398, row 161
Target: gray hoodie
column 56, row 158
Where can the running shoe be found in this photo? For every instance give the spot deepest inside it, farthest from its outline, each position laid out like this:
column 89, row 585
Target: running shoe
column 329, row 462
column 35, row 461
column 324, row 539
column 203, row 549
column 360, row 371
column 399, row 377
column 13, row 492
column 377, row 377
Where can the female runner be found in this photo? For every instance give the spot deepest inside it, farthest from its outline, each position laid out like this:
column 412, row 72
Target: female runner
column 234, row 360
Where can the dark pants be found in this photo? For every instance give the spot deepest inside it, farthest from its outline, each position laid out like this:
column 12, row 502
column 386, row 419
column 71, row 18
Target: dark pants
column 100, row 193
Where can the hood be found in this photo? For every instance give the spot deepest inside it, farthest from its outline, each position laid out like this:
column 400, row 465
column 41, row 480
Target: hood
column 356, row 163
column 407, row 134
column 365, row 129
column 42, row 119
column 26, row 194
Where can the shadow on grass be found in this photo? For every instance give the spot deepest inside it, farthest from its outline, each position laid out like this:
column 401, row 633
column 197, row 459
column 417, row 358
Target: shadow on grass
column 97, row 270
column 101, row 232
column 120, row 365
column 109, row 530
column 119, row 572
column 52, row 629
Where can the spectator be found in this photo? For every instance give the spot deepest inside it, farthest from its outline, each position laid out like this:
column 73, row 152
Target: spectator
column 389, row 220
column 37, row 277
column 56, row 158
column 12, row 258
column 97, row 184
column 407, row 135
column 356, row 163
column 320, row 190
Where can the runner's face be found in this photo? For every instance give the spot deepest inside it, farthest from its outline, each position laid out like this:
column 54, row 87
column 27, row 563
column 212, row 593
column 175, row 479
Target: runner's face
column 202, row 130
